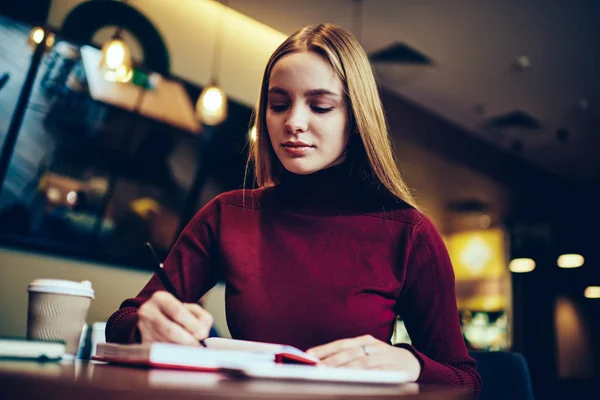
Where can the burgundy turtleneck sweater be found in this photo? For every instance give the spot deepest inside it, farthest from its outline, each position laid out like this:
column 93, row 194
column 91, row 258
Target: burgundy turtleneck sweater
column 318, row 258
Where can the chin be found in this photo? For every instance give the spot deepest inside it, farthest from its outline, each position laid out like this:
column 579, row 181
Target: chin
column 301, row 167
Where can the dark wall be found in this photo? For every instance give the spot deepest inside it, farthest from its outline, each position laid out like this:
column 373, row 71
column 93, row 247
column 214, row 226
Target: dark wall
column 548, row 216
column 32, row 11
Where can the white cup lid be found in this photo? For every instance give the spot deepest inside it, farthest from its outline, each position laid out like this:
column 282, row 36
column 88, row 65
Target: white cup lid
column 59, row 286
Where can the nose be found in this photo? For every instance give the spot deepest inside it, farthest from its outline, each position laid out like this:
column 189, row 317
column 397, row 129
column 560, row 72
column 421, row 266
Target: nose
column 297, row 120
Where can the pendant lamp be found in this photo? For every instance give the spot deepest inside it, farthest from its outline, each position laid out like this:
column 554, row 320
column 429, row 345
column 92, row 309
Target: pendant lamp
column 116, row 62
column 211, row 106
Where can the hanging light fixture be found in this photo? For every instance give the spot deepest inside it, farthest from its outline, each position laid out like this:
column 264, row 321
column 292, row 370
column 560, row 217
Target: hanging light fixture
column 211, row 107
column 39, row 35
column 592, row 292
column 116, row 62
column 521, row 265
column 570, row 261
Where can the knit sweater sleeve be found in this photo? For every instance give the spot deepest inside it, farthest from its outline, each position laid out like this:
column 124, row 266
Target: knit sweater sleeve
column 190, row 265
column 428, row 307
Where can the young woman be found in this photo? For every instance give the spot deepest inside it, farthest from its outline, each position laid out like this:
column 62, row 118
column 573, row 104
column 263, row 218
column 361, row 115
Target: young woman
column 330, row 248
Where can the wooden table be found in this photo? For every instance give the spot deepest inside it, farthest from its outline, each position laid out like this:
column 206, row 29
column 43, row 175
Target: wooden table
column 89, row 380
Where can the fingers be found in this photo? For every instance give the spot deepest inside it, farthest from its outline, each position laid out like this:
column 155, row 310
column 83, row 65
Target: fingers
column 366, row 352
column 360, row 352
column 164, row 318
column 372, row 361
column 168, row 331
column 367, row 357
column 344, row 357
column 204, row 320
column 330, row 349
column 155, row 327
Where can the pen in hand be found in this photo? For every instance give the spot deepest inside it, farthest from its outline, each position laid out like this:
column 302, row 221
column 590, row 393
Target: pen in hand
column 162, row 275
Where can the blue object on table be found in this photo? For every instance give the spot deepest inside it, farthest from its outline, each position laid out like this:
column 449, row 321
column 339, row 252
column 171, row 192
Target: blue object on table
column 3, row 79
column 213, row 332
column 505, row 375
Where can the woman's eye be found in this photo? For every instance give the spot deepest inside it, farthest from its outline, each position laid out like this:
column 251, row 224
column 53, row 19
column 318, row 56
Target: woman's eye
column 321, row 110
column 278, row 107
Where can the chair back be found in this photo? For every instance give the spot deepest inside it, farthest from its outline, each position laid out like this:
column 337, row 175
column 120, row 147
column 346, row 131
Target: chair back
column 505, row 375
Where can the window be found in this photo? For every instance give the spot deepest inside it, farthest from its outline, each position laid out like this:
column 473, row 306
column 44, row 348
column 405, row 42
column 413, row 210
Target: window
column 95, row 180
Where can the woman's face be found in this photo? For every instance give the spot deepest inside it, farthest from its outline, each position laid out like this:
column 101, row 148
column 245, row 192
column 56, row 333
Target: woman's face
column 307, row 114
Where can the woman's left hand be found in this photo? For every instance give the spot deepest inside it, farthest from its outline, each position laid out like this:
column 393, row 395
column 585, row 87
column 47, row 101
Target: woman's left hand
column 366, row 352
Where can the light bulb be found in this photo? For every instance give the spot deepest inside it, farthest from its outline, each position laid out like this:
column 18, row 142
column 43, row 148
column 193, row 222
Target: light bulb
column 116, row 61
column 213, row 100
column 521, row 265
column 115, row 54
column 39, row 35
column 212, row 105
column 570, row 261
column 592, row 292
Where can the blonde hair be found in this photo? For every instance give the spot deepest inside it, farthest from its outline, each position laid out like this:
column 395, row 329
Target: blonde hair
column 347, row 57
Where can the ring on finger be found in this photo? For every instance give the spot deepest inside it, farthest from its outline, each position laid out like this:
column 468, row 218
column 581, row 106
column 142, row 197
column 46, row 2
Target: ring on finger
column 367, row 350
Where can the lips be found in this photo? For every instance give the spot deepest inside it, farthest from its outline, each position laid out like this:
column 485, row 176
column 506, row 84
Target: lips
column 297, row 149
column 296, row 144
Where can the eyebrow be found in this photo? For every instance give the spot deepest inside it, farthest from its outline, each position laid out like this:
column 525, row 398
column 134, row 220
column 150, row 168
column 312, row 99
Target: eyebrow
column 309, row 93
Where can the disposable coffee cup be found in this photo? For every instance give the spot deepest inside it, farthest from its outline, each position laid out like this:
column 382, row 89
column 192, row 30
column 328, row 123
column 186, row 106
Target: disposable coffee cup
column 57, row 310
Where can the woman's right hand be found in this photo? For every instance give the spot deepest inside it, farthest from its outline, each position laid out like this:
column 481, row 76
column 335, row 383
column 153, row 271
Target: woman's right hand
column 163, row 318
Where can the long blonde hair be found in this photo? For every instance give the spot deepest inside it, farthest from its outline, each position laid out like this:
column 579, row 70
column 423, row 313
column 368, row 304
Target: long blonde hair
column 347, row 57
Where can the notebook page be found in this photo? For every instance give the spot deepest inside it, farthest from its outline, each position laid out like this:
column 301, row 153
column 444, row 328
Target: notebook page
column 260, row 347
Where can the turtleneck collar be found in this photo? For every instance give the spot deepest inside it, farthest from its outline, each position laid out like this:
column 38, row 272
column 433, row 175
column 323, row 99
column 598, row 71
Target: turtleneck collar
column 340, row 189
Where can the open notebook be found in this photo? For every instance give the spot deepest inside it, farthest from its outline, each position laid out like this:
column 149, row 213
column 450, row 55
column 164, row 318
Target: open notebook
column 218, row 353
column 240, row 359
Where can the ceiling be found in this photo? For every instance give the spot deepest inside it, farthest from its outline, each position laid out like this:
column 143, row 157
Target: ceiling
column 475, row 76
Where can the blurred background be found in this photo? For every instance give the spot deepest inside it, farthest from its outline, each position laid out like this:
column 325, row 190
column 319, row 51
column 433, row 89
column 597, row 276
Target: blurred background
column 120, row 119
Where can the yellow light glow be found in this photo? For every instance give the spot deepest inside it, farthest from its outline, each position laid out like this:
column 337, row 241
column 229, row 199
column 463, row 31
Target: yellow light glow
column 521, row 265
column 116, row 61
column 212, row 105
column 252, row 133
column 121, row 74
column 489, row 303
column 115, row 54
column 53, row 194
column 145, row 207
column 479, row 267
column 37, row 35
column 246, row 44
column 49, row 40
column 213, row 100
column 477, row 254
column 592, row 292
column 570, row 261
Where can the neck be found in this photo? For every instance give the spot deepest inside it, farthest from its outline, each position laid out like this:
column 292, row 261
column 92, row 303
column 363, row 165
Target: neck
column 343, row 188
